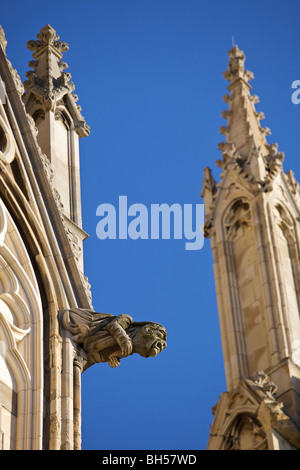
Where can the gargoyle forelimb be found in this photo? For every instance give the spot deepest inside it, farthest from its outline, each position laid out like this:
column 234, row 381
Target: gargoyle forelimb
column 117, row 329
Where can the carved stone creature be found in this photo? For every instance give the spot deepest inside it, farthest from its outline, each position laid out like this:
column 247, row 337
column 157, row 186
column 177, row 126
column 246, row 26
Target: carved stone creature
column 263, row 382
column 108, row 338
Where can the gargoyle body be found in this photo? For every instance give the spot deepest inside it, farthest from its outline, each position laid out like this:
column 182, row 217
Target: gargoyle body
column 108, row 338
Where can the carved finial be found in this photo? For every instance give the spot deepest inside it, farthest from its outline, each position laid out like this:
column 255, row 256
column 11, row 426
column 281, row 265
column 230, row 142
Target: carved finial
column 47, row 37
column 47, row 84
column 236, row 67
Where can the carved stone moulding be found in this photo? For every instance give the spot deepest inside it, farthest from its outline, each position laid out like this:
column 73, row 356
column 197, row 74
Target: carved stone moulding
column 7, row 143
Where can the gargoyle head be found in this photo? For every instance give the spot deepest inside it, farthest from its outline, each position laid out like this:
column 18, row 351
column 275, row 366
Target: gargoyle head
column 148, row 338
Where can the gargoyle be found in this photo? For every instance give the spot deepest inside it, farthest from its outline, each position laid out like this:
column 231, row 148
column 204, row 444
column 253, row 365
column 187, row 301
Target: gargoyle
column 108, row 338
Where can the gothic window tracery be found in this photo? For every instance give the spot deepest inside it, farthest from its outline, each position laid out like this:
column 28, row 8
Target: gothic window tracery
column 21, row 342
column 246, row 433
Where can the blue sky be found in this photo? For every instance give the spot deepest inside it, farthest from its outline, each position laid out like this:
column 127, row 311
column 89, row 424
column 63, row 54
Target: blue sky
column 148, row 74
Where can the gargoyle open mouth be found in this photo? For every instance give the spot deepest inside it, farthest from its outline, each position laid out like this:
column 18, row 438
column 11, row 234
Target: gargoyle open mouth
column 157, row 347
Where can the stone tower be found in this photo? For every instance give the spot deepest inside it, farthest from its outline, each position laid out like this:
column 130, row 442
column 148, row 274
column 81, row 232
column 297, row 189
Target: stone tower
column 252, row 220
column 49, row 332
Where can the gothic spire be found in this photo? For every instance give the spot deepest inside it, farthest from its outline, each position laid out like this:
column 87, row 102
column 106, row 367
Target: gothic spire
column 243, row 120
column 245, row 139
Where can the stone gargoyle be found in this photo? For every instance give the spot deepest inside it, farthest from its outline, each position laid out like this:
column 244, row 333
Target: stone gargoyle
column 108, row 338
